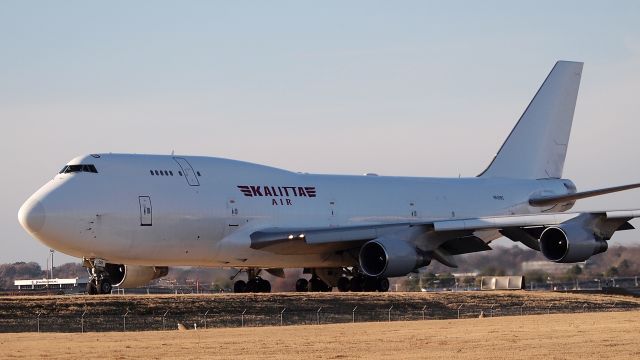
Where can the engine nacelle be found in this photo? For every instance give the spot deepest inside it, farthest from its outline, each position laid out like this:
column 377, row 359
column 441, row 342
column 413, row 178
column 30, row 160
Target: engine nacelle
column 568, row 243
column 130, row 276
column 389, row 257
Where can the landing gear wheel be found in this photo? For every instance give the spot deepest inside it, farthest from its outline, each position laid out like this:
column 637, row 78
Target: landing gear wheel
column 355, row 284
column 370, row 284
column 383, row 284
column 92, row 289
column 252, row 286
column 264, row 286
column 302, row 285
column 239, row 286
column 105, row 286
column 344, row 284
column 317, row 285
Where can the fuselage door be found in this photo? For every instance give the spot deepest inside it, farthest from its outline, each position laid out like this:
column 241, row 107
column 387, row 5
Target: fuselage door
column 145, row 210
column 187, row 171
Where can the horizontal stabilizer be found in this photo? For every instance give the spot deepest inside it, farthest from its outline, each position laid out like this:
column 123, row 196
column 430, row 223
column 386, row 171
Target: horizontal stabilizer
column 560, row 199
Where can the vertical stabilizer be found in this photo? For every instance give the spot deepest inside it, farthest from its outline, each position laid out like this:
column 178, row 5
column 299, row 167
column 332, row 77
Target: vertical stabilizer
column 537, row 146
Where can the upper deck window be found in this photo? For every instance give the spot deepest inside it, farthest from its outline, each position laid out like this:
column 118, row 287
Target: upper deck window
column 90, row 168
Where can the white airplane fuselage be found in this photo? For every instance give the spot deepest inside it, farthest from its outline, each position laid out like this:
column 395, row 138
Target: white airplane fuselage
column 203, row 210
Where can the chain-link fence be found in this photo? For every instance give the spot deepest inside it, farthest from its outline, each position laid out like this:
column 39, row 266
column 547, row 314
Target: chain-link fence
column 88, row 322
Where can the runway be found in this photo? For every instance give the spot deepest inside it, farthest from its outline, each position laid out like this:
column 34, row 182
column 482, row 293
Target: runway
column 611, row 335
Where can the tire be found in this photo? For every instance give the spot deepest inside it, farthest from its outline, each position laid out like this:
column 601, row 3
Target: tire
column 355, row 284
column 316, row 285
column 302, row 285
column 264, row 286
column 344, row 284
column 104, row 286
column 370, row 284
column 239, row 286
column 383, row 284
column 252, row 286
column 91, row 288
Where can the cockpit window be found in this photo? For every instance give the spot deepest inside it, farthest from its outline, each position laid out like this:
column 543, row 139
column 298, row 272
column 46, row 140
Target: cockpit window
column 90, row 168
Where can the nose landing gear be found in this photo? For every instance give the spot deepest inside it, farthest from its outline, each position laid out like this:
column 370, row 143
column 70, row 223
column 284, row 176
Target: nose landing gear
column 99, row 280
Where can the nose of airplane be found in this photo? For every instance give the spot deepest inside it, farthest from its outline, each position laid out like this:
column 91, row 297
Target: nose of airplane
column 32, row 216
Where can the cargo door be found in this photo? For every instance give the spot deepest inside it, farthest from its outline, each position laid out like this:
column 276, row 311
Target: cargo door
column 145, row 210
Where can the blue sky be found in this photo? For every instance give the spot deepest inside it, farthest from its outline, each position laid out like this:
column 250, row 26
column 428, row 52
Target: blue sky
column 398, row 88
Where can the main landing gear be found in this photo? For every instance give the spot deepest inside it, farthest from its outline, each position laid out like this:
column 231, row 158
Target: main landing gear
column 99, row 280
column 315, row 284
column 323, row 280
column 254, row 283
column 366, row 283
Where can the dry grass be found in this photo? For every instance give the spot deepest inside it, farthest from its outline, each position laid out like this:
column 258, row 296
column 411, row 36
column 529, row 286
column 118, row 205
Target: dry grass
column 105, row 313
column 612, row 335
column 146, row 304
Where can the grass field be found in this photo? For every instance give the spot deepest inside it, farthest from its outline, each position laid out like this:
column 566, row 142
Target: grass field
column 610, row 335
column 146, row 312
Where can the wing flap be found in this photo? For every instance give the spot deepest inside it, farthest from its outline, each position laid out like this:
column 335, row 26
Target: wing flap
column 500, row 222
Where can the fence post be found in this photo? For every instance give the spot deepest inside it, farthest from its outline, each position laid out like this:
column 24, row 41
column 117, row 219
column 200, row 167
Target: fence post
column 423, row 310
column 492, row 309
column 459, row 307
column 353, row 314
column 38, row 321
column 163, row 317
column 205, row 319
column 242, row 318
column 281, row 313
column 82, row 321
column 521, row 306
column 318, row 315
column 390, row 313
column 124, row 321
column 549, row 309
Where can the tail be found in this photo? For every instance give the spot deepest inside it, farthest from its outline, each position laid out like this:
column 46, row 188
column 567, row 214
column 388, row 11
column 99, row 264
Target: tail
column 537, row 146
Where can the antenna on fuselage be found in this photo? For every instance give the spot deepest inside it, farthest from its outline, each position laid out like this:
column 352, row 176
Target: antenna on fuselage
column 172, row 152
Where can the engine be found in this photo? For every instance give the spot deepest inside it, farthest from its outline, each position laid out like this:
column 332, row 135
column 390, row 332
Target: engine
column 571, row 242
column 129, row 276
column 389, row 257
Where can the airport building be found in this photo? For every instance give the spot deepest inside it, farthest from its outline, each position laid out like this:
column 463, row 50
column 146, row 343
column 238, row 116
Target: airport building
column 41, row 284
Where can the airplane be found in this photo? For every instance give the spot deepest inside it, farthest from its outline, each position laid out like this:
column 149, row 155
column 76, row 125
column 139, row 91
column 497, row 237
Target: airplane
column 130, row 217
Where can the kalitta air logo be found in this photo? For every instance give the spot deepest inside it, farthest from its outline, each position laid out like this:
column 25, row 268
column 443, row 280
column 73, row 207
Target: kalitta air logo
column 280, row 195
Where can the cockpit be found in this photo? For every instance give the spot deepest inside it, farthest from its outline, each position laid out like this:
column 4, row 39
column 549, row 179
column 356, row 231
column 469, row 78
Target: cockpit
column 90, row 168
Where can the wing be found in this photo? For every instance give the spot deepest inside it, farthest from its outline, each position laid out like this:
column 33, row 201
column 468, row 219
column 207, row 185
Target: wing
column 442, row 238
column 293, row 241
